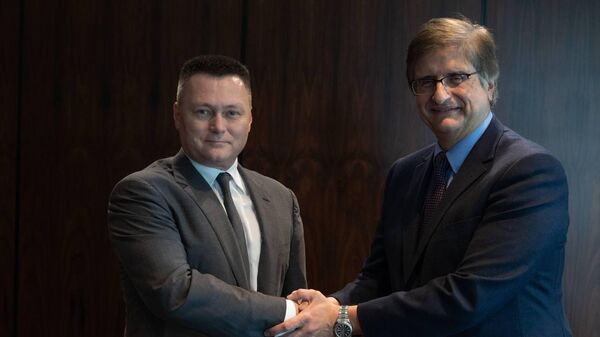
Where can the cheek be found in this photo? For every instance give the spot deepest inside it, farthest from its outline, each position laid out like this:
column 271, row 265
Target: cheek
column 421, row 103
column 475, row 103
column 463, row 100
column 197, row 127
column 241, row 134
column 240, row 130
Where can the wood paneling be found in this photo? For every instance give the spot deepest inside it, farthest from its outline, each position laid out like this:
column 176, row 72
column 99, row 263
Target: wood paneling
column 99, row 82
column 332, row 111
column 9, row 66
column 549, row 56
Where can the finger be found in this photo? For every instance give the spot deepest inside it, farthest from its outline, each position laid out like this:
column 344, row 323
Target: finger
column 303, row 331
column 300, row 290
column 290, row 324
column 276, row 330
column 302, row 294
column 302, row 305
column 296, row 296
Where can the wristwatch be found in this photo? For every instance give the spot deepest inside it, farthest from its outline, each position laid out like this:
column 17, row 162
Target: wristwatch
column 343, row 327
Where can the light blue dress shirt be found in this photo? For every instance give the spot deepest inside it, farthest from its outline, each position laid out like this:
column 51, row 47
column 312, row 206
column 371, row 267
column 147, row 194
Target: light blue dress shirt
column 458, row 153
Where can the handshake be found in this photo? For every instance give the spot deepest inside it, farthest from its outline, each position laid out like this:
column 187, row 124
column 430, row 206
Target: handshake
column 316, row 316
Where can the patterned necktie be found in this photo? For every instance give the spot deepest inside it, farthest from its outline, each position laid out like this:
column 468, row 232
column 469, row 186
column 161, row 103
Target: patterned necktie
column 223, row 179
column 440, row 170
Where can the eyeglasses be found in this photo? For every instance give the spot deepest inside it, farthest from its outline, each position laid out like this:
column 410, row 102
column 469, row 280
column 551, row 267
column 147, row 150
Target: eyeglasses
column 426, row 86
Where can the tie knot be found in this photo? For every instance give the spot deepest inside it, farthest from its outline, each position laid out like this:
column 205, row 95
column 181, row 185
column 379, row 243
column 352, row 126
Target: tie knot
column 223, row 179
column 440, row 166
column 441, row 161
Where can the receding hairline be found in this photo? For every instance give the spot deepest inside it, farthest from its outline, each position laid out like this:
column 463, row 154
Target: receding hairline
column 214, row 66
column 183, row 81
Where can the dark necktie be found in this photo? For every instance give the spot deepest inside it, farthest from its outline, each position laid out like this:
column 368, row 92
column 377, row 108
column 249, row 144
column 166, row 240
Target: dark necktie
column 435, row 195
column 223, row 179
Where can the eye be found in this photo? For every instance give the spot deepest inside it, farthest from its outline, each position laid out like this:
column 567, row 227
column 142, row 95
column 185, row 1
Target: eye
column 203, row 113
column 426, row 83
column 232, row 113
column 456, row 79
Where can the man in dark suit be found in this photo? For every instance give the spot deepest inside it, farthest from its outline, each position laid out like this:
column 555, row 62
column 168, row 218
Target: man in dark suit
column 472, row 232
column 207, row 247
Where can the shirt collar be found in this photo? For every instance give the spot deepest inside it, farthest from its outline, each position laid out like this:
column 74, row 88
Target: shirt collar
column 458, row 153
column 210, row 174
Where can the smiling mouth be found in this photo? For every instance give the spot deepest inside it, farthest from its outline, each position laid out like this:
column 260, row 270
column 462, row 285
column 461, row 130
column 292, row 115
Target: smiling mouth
column 444, row 109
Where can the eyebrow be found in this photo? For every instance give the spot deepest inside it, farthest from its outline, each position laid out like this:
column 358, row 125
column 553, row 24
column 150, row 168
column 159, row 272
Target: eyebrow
column 214, row 107
column 433, row 77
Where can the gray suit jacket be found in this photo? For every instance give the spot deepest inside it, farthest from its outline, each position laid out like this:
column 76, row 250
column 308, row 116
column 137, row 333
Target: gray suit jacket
column 180, row 267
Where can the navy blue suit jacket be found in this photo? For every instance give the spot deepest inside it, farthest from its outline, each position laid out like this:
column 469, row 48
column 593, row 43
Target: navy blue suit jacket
column 491, row 262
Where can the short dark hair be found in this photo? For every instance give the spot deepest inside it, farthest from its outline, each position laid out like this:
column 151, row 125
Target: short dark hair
column 476, row 42
column 213, row 65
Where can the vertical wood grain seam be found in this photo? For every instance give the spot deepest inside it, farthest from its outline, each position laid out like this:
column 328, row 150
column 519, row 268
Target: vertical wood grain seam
column 484, row 12
column 243, row 47
column 244, row 32
column 17, row 214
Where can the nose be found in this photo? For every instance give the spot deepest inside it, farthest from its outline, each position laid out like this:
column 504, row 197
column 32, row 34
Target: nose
column 440, row 93
column 217, row 123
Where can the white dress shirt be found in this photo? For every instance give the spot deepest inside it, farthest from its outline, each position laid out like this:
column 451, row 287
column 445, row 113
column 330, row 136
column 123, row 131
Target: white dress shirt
column 245, row 208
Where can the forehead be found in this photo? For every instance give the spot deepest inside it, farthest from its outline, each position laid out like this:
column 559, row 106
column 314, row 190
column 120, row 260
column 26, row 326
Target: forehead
column 226, row 89
column 441, row 61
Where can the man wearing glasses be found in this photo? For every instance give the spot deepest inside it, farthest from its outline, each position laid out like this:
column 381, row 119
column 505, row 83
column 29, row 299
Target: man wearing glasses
column 472, row 231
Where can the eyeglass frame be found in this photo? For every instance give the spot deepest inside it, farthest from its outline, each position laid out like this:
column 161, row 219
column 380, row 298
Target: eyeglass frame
column 441, row 80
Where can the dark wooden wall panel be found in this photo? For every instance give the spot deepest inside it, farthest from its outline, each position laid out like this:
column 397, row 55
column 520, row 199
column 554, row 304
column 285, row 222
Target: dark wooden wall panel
column 549, row 54
column 9, row 80
column 332, row 111
column 99, row 82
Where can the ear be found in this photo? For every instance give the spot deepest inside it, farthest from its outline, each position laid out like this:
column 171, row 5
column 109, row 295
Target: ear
column 176, row 115
column 250, row 123
column 491, row 91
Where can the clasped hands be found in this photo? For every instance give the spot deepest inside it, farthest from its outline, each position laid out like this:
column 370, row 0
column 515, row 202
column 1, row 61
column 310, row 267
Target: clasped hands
column 316, row 315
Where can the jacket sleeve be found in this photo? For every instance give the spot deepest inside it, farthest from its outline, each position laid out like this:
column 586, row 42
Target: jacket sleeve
column 295, row 277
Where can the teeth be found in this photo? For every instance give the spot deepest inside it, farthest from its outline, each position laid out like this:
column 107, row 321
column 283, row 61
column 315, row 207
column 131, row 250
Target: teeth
column 444, row 109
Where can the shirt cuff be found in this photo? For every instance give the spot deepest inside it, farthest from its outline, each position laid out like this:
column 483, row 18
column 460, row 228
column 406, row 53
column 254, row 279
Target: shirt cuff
column 290, row 309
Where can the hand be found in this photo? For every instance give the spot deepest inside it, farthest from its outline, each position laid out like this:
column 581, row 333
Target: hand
column 316, row 318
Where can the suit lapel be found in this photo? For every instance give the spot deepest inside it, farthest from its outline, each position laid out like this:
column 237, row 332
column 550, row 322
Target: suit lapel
column 198, row 189
column 265, row 214
column 474, row 166
column 418, row 187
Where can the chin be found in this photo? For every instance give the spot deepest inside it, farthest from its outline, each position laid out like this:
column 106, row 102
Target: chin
column 446, row 128
column 218, row 159
column 450, row 122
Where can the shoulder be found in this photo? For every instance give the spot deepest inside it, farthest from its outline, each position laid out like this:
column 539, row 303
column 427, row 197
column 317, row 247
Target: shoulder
column 269, row 185
column 155, row 175
column 262, row 179
column 516, row 150
column 522, row 168
column 412, row 160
